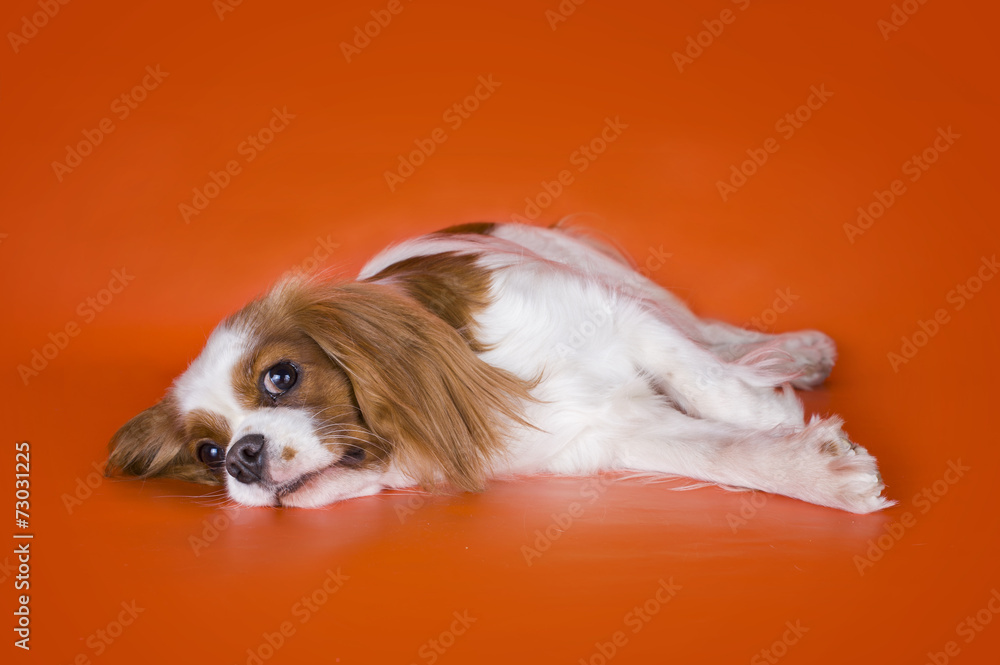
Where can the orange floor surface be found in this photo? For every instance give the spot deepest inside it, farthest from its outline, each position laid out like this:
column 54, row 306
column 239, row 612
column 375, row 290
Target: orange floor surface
column 782, row 165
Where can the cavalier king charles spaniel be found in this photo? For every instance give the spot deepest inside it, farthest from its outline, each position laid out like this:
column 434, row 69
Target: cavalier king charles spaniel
column 489, row 350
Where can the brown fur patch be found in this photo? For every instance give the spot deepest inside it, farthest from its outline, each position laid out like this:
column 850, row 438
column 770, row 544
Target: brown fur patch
column 833, row 448
column 287, row 454
column 420, row 387
column 452, row 286
column 477, row 228
column 154, row 444
column 201, row 424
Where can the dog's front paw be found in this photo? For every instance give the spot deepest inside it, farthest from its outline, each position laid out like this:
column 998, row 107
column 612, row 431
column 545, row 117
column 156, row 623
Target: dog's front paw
column 843, row 474
column 858, row 483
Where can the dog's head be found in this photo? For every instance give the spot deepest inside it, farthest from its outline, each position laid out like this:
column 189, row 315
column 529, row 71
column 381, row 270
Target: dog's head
column 315, row 392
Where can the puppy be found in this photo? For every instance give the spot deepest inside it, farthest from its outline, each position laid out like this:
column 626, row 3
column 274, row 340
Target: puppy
column 489, row 350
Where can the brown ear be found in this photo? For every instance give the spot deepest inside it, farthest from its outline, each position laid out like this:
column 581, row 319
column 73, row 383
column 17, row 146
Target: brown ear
column 152, row 445
column 418, row 384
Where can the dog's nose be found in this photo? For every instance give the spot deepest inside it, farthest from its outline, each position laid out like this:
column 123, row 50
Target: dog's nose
column 245, row 460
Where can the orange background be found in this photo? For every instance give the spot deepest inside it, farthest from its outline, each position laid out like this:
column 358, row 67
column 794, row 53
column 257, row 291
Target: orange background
column 414, row 561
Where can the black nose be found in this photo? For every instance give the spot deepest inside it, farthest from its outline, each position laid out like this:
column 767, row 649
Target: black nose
column 245, row 460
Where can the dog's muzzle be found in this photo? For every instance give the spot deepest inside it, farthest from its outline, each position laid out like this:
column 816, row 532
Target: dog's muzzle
column 245, row 460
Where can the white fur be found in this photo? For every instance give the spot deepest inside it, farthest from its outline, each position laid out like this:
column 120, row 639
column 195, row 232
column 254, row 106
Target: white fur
column 207, row 382
column 631, row 380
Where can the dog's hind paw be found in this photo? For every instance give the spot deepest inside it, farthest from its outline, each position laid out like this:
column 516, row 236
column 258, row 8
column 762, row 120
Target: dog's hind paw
column 813, row 355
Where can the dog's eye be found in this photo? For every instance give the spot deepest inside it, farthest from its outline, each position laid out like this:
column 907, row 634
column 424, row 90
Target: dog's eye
column 353, row 456
column 279, row 379
column 211, row 454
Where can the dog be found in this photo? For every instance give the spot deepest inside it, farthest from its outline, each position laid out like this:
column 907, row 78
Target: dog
column 492, row 350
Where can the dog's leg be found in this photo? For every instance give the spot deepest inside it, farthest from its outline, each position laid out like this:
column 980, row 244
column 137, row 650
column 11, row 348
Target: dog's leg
column 803, row 358
column 807, row 354
column 740, row 393
column 817, row 463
